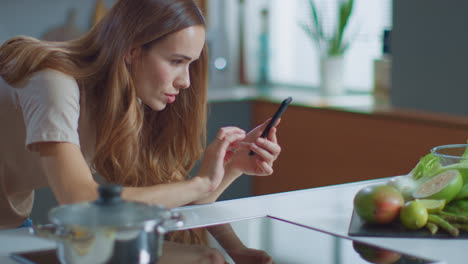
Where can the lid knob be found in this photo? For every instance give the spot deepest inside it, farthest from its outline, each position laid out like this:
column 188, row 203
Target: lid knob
column 109, row 194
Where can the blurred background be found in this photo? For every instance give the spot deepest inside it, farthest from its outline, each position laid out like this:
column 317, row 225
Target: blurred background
column 402, row 86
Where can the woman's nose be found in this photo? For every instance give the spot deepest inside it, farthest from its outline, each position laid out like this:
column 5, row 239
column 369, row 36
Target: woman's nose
column 183, row 80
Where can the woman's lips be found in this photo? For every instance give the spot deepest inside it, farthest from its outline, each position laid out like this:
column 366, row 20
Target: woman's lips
column 171, row 98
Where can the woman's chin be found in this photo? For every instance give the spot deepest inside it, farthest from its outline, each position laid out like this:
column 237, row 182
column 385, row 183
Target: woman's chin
column 157, row 106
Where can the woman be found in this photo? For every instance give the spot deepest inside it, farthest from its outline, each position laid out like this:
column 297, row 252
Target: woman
column 128, row 101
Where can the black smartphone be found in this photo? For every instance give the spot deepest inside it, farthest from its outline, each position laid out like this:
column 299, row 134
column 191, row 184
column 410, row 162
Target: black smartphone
column 274, row 119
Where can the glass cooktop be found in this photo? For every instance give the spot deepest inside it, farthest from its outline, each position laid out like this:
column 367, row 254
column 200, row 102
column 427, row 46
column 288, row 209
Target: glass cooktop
column 288, row 243
column 268, row 241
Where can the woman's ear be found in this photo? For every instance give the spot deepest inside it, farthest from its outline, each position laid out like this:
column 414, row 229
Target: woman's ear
column 132, row 54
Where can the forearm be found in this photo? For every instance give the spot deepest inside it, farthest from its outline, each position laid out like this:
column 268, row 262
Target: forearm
column 71, row 181
column 170, row 195
column 228, row 178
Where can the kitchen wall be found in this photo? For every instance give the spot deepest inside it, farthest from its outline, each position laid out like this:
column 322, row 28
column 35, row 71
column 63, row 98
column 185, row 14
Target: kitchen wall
column 430, row 55
column 34, row 18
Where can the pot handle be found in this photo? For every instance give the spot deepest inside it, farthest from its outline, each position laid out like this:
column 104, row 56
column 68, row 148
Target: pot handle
column 49, row 231
column 176, row 220
column 59, row 233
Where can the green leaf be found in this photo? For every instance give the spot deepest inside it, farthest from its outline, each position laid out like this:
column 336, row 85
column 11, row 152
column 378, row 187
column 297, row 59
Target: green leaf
column 308, row 31
column 335, row 44
column 312, row 34
column 316, row 18
column 426, row 166
column 345, row 46
column 465, row 154
column 345, row 10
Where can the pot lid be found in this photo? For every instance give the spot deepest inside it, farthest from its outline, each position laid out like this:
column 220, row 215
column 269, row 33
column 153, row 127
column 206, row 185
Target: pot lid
column 110, row 210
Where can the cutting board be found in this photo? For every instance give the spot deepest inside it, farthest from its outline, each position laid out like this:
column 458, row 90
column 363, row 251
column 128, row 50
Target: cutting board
column 48, row 256
column 358, row 227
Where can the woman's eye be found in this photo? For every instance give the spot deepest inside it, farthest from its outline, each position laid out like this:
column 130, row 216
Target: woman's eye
column 176, row 62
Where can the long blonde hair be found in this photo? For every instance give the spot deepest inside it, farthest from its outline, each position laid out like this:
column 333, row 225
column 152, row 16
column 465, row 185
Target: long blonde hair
column 135, row 146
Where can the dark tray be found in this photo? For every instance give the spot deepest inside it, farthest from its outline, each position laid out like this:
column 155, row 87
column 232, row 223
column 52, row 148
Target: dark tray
column 357, row 227
column 36, row 257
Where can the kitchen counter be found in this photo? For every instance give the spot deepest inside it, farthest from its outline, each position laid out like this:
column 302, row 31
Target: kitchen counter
column 351, row 101
column 327, row 209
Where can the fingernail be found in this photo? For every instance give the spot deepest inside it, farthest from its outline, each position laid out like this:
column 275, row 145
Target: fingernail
column 260, row 140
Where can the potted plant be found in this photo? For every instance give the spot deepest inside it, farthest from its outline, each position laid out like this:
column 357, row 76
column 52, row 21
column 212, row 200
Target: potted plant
column 331, row 45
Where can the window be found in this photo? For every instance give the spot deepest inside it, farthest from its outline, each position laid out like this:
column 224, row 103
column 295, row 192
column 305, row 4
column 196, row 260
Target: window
column 294, row 58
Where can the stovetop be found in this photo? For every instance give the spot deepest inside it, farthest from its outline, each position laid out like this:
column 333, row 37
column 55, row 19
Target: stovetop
column 282, row 242
column 286, row 242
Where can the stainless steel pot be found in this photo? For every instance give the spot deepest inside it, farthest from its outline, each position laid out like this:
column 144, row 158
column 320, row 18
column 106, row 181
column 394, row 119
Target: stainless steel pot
column 109, row 230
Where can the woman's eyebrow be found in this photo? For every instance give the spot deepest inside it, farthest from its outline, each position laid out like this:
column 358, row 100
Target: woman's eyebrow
column 183, row 57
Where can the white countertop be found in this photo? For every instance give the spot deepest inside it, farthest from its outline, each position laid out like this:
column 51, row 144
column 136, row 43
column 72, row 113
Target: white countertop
column 327, row 208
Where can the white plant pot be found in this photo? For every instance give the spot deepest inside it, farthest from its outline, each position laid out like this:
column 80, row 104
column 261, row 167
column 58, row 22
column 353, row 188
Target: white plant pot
column 331, row 76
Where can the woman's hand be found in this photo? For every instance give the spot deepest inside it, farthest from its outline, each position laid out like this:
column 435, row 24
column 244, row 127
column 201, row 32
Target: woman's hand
column 250, row 255
column 193, row 254
column 266, row 152
column 217, row 153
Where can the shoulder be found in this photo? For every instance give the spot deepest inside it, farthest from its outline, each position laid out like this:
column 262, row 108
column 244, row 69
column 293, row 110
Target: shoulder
column 52, row 79
column 52, row 86
column 50, row 102
column 51, row 75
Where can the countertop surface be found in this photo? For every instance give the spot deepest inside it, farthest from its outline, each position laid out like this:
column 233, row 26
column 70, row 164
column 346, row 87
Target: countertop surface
column 357, row 102
column 327, row 209
column 351, row 102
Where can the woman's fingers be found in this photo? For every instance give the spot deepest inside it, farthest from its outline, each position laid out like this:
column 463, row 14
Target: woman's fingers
column 257, row 131
column 225, row 131
column 226, row 142
column 216, row 153
column 223, row 149
column 266, row 149
column 264, row 168
column 230, row 140
column 272, row 135
column 262, row 154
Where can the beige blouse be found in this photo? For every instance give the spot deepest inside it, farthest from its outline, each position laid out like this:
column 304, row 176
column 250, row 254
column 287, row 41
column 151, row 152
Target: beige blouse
column 45, row 108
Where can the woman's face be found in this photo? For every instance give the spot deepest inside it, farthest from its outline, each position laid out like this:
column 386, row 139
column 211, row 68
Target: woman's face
column 162, row 71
